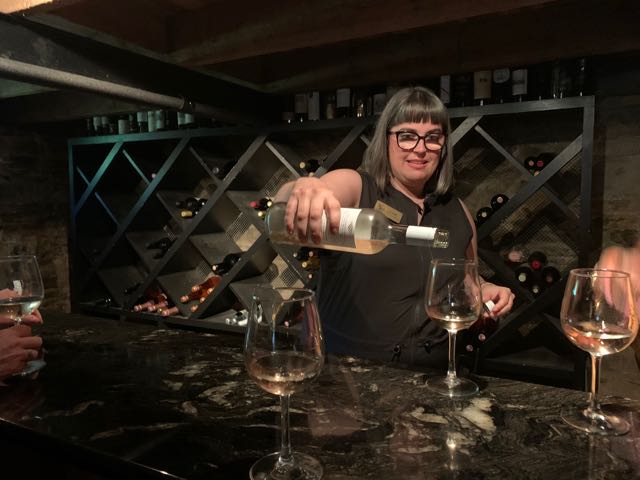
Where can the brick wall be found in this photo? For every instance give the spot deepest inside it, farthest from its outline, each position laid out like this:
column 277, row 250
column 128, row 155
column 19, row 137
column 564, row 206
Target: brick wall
column 34, row 207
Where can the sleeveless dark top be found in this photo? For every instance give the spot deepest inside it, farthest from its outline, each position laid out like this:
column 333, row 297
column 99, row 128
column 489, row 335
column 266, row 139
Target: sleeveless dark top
column 372, row 306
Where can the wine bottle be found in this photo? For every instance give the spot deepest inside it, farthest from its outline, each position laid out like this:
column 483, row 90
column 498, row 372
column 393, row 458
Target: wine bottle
column 445, row 89
column 519, row 84
column 524, row 275
column 544, row 159
column 483, row 214
column 516, row 256
column 560, row 80
column 143, row 124
column 343, row 102
column 462, row 92
column 103, row 302
column 550, row 275
column 304, row 253
column 262, row 204
column 364, row 230
column 312, row 263
column 482, row 86
column 133, row 123
column 131, row 288
column 536, row 287
column 151, row 121
column 300, row 107
column 330, row 107
column 192, row 295
column 191, row 203
column 537, row 260
column 154, row 307
column 226, row 264
column 97, row 125
column 166, row 312
column 211, row 282
column 501, row 85
column 530, row 164
column 581, row 77
column 309, row 166
column 313, row 105
column 498, row 201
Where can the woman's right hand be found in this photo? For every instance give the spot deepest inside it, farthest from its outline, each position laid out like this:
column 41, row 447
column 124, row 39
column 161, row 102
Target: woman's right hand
column 309, row 198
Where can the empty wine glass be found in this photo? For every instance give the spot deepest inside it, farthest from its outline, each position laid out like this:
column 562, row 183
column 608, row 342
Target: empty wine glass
column 21, row 292
column 283, row 352
column 454, row 301
column 598, row 315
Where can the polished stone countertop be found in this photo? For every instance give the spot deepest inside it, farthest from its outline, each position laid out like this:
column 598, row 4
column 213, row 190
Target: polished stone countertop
column 137, row 401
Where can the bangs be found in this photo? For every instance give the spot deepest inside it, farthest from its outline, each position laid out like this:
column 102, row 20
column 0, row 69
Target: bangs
column 421, row 107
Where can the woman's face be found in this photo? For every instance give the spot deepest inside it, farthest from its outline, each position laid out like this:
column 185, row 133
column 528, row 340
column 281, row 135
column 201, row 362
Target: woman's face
column 413, row 168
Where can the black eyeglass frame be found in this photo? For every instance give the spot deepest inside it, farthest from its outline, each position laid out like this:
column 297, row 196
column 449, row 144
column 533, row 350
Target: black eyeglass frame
column 420, row 137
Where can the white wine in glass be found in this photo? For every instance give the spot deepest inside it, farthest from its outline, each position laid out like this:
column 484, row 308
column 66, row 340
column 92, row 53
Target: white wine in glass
column 598, row 315
column 283, row 353
column 454, row 301
column 21, row 292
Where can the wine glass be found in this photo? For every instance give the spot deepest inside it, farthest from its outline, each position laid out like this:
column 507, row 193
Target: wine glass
column 598, row 315
column 284, row 352
column 21, row 292
column 454, row 301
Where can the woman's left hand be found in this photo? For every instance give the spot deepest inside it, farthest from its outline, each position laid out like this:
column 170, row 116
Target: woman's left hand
column 502, row 297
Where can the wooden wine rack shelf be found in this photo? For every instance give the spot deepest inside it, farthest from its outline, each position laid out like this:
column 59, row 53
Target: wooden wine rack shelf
column 124, row 189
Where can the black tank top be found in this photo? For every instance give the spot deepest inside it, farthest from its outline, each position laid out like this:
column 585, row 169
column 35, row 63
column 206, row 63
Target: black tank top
column 373, row 305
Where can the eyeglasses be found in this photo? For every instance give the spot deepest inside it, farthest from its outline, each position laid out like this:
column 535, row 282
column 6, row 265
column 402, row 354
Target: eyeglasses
column 433, row 141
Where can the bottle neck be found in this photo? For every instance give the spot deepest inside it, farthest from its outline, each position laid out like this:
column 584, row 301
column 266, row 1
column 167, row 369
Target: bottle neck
column 411, row 235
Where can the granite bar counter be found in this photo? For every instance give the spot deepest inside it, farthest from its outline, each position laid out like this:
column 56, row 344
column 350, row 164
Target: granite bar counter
column 126, row 400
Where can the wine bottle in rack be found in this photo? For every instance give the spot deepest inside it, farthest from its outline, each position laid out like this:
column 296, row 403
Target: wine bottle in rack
column 537, row 260
column 483, row 214
column 133, row 123
column 309, row 166
column 524, row 275
column 537, row 286
column 211, row 282
column 530, row 164
column 516, row 256
column 462, row 90
column 300, row 106
column 131, row 288
column 305, row 253
column 226, row 264
column 519, row 84
column 581, row 77
column 103, row 302
column 498, row 201
column 501, row 85
column 445, row 89
column 550, row 275
column 343, row 102
column 168, row 311
column 311, row 263
column 482, row 86
column 143, row 123
column 330, row 106
column 313, row 105
column 543, row 159
column 364, row 230
column 151, row 298
column 97, row 125
column 191, row 296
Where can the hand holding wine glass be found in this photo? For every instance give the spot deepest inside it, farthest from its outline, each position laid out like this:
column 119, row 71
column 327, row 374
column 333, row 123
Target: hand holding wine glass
column 598, row 315
column 21, row 292
column 454, row 301
column 284, row 351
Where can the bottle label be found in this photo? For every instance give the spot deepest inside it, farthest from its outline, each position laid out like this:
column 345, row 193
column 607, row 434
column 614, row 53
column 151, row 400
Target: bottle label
column 346, row 231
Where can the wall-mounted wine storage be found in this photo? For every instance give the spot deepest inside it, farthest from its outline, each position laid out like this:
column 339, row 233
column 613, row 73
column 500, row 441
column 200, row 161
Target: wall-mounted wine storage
column 127, row 191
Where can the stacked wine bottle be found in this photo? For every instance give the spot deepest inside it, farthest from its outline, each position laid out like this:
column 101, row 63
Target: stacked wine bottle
column 484, row 213
column 153, row 300
column 534, row 273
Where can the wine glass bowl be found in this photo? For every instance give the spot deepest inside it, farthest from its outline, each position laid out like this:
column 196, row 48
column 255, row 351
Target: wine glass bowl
column 598, row 316
column 21, row 289
column 283, row 353
column 454, row 301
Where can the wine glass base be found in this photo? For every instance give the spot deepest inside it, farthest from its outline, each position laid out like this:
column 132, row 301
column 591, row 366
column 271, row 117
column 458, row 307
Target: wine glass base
column 595, row 423
column 452, row 387
column 303, row 467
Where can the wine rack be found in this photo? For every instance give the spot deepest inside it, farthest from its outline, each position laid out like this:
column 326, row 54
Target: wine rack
column 125, row 188
column 125, row 195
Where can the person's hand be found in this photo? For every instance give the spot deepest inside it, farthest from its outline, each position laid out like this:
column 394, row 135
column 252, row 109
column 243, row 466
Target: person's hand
column 17, row 347
column 502, row 297
column 34, row 318
column 625, row 260
column 309, row 198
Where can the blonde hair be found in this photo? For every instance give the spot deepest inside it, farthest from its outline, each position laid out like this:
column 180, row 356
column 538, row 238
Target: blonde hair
column 411, row 104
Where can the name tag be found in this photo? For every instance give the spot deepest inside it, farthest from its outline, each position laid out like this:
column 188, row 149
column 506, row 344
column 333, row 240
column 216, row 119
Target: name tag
column 389, row 212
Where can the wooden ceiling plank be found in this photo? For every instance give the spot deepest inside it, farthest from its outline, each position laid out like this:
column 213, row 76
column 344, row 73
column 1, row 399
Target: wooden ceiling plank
column 221, row 32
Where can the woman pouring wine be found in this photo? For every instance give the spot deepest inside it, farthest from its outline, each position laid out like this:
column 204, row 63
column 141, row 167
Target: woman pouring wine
column 372, row 306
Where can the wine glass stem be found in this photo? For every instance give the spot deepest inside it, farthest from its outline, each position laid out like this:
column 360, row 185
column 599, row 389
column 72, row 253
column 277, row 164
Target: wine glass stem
column 594, row 405
column 451, row 371
column 285, row 447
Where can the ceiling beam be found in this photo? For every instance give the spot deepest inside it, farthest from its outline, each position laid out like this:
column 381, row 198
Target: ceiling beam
column 219, row 33
column 44, row 47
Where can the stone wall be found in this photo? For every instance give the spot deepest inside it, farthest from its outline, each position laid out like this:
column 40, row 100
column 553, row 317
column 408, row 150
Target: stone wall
column 34, row 208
